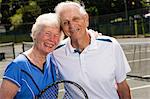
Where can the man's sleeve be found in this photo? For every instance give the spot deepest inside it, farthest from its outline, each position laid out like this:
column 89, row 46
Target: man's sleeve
column 122, row 66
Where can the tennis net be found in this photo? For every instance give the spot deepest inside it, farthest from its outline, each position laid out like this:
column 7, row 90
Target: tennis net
column 138, row 55
column 7, row 50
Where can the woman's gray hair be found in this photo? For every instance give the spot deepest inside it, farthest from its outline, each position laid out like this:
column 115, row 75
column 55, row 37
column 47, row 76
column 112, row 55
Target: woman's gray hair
column 48, row 19
column 59, row 8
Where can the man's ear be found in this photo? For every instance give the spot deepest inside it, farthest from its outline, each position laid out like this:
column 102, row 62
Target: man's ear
column 86, row 17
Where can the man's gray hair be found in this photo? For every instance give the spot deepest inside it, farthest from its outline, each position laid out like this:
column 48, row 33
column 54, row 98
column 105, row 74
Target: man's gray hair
column 59, row 8
column 48, row 19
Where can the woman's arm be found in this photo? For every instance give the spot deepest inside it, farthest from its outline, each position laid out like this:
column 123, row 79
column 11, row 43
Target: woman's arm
column 8, row 89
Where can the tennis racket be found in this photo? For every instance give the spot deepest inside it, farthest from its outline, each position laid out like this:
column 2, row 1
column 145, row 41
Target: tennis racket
column 63, row 89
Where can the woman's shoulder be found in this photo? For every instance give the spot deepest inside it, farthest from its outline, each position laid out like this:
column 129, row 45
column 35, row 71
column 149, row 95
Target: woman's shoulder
column 20, row 58
column 18, row 62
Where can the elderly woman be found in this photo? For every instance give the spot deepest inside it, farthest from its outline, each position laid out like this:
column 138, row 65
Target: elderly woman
column 29, row 73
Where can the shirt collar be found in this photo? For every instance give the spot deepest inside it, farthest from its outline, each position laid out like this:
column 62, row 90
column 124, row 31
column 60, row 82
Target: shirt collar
column 70, row 50
column 93, row 44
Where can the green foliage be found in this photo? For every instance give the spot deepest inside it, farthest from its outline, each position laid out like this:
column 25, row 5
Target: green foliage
column 16, row 19
column 92, row 10
column 76, row 1
column 16, row 12
column 20, row 14
column 33, row 10
column 145, row 3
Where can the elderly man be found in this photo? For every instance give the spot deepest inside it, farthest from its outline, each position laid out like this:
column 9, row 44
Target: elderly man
column 97, row 63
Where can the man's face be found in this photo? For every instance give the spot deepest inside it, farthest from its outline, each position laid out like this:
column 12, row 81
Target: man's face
column 73, row 23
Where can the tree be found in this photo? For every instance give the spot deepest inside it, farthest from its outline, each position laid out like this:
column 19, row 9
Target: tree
column 18, row 12
column 5, row 14
column 15, row 12
column 145, row 3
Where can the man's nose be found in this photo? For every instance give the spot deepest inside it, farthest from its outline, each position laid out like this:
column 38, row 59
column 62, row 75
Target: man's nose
column 71, row 24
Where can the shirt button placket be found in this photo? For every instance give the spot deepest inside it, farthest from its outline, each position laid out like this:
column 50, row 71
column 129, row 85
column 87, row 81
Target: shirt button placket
column 82, row 60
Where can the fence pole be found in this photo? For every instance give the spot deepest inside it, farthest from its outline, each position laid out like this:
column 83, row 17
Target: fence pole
column 135, row 28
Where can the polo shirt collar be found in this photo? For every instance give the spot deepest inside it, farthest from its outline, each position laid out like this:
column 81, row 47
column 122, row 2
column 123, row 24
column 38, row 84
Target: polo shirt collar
column 93, row 44
column 70, row 50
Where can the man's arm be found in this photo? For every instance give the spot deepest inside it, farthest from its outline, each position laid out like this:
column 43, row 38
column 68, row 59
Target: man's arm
column 124, row 90
column 8, row 90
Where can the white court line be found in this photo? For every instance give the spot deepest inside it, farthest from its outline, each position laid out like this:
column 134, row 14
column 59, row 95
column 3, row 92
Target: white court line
column 146, row 59
column 136, row 52
column 140, row 87
column 130, row 79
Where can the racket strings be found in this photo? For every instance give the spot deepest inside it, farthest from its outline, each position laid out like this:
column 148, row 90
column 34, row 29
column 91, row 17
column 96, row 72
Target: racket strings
column 50, row 93
column 63, row 91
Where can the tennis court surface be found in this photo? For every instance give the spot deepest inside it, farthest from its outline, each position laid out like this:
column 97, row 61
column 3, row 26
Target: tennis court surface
column 137, row 51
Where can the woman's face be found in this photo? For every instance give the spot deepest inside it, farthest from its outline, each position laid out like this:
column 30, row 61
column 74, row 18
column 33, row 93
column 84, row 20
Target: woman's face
column 47, row 40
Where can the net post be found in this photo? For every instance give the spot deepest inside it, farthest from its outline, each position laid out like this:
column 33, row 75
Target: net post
column 23, row 47
column 2, row 56
column 13, row 45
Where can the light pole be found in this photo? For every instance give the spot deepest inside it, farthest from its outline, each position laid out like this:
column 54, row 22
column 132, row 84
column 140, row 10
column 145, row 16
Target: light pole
column 126, row 9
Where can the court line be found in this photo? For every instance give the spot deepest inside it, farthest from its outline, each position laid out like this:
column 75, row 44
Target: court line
column 145, row 59
column 136, row 52
column 140, row 87
column 130, row 79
